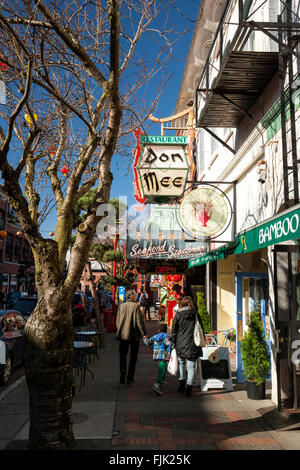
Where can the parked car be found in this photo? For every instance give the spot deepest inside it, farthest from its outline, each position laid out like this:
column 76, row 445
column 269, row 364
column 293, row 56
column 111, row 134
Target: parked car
column 80, row 309
column 12, row 325
column 11, row 298
column 25, row 305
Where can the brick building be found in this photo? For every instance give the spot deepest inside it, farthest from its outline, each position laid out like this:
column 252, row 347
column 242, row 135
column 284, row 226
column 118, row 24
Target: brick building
column 16, row 259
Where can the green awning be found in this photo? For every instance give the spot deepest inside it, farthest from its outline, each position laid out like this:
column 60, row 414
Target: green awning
column 219, row 253
column 275, row 230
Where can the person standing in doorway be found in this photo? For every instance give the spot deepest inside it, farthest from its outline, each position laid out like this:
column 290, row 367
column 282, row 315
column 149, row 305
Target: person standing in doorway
column 143, row 302
column 183, row 340
column 130, row 329
column 147, row 307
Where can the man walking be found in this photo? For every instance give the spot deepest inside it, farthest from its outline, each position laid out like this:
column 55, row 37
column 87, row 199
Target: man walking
column 130, row 328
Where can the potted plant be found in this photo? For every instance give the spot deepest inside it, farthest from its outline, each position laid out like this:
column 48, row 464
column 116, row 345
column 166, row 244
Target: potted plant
column 202, row 311
column 255, row 357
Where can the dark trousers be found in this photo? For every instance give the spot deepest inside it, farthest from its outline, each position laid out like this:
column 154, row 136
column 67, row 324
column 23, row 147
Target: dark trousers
column 147, row 310
column 123, row 350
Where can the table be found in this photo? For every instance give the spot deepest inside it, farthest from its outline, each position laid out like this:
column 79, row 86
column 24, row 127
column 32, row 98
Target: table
column 82, row 348
column 89, row 334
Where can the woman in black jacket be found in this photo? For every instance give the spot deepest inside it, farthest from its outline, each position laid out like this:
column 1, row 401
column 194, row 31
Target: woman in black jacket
column 183, row 339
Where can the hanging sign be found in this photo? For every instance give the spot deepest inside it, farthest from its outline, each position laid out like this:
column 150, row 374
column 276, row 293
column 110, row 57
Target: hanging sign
column 163, row 249
column 161, row 167
column 204, row 212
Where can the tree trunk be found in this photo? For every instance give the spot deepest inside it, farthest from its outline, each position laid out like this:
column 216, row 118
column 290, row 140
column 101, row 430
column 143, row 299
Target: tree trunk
column 48, row 369
column 49, row 356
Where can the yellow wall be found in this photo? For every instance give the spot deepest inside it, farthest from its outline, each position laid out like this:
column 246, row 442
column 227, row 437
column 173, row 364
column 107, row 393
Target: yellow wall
column 226, row 304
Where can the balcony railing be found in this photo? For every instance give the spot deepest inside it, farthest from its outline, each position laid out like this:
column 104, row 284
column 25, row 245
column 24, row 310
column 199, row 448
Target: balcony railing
column 237, row 32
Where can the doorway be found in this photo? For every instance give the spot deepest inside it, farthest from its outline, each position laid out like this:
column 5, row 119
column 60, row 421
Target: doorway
column 287, row 324
column 252, row 293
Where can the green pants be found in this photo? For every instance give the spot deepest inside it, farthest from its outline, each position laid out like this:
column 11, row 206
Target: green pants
column 162, row 369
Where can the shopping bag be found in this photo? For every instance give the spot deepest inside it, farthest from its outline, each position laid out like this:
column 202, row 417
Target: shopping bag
column 173, row 363
column 199, row 338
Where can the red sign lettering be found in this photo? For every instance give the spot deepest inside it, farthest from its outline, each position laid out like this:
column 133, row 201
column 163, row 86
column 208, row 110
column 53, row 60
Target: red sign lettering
column 165, row 269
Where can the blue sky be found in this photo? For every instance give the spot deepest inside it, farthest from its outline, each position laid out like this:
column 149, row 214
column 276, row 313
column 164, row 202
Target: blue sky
column 123, row 179
column 123, row 185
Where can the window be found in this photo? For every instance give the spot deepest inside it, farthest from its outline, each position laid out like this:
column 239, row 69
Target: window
column 2, row 219
column 9, row 247
column 17, row 250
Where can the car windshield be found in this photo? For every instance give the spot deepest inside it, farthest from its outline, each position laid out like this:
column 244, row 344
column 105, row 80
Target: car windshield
column 25, row 306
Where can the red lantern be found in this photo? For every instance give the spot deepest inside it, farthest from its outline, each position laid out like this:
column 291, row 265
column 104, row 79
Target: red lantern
column 3, row 234
column 52, row 150
column 51, row 234
column 65, row 170
column 176, row 278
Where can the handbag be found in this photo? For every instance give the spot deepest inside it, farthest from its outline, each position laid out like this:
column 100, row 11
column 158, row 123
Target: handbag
column 173, row 363
column 199, row 338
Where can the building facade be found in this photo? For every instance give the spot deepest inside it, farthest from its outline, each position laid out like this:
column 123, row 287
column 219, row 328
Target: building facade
column 243, row 78
column 16, row 259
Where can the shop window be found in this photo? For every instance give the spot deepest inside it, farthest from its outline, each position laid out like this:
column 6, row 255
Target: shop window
column 2, row 219
column 17, row 250
column 9, row 247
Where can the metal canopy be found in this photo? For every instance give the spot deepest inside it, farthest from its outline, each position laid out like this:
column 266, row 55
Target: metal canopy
column 237, row 87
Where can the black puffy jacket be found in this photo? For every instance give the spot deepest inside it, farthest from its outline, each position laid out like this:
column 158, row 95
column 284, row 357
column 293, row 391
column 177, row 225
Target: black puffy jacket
column 183, row 334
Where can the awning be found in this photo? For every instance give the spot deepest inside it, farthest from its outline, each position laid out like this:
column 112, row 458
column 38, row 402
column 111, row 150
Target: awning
column 219, row 253
column 275, row 230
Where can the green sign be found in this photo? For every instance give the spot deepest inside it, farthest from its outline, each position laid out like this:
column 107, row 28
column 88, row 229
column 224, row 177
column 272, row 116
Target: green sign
column 281, row 229
column 212, row 256
column 164, row 139
column 278, row 230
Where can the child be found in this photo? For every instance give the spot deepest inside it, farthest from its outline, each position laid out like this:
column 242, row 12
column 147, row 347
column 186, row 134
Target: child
column 162, row 347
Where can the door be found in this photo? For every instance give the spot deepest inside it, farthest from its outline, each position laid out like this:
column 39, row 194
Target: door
column 287, row 324
column 252, row 293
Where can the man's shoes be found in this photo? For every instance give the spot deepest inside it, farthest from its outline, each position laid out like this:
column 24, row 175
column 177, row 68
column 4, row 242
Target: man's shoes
column 157, row 389
column 122, row 378
column 188, row 391
column 181, row 387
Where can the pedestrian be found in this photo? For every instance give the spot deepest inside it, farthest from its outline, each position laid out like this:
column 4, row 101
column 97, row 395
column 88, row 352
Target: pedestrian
column 139, row 295
column 142, row 303
column 130, row 328
column 183, row 339
column 147, row 307
column 162, row 347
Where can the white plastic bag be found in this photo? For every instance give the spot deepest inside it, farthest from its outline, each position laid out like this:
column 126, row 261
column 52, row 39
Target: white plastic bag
column 173, row 363
column 199, row 338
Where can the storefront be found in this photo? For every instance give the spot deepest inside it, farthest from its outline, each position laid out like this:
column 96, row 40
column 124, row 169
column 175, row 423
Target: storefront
column 261, row 271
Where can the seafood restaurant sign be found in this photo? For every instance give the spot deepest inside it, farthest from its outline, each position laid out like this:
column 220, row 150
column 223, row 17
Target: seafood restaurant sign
column 163, row 249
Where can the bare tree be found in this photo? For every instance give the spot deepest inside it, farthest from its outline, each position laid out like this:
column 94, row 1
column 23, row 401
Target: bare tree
column 74, row 82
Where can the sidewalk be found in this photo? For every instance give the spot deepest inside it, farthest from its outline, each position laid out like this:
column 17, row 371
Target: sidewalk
column 110, row 416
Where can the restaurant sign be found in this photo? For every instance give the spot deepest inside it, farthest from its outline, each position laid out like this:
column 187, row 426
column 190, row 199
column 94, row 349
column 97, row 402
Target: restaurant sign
column 277, row 230
column 281, row 229
column 163, row 249
column 161, row 167
column 204, row 212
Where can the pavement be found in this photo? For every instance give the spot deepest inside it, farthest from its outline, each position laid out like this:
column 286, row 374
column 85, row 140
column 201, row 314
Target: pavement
column 113, row 417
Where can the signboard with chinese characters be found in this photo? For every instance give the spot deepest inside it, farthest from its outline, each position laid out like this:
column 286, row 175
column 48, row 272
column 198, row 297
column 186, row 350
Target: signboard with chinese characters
column 161, row 168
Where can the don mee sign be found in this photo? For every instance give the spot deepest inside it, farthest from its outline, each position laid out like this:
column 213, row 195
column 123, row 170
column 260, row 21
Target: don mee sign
column 161, row 167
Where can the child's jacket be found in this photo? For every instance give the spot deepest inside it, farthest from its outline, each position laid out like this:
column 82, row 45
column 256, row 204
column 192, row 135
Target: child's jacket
column 162, row 346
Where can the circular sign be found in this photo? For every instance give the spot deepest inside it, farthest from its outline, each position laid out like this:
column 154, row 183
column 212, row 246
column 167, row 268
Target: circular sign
column 204, row 212
column 214, row 356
